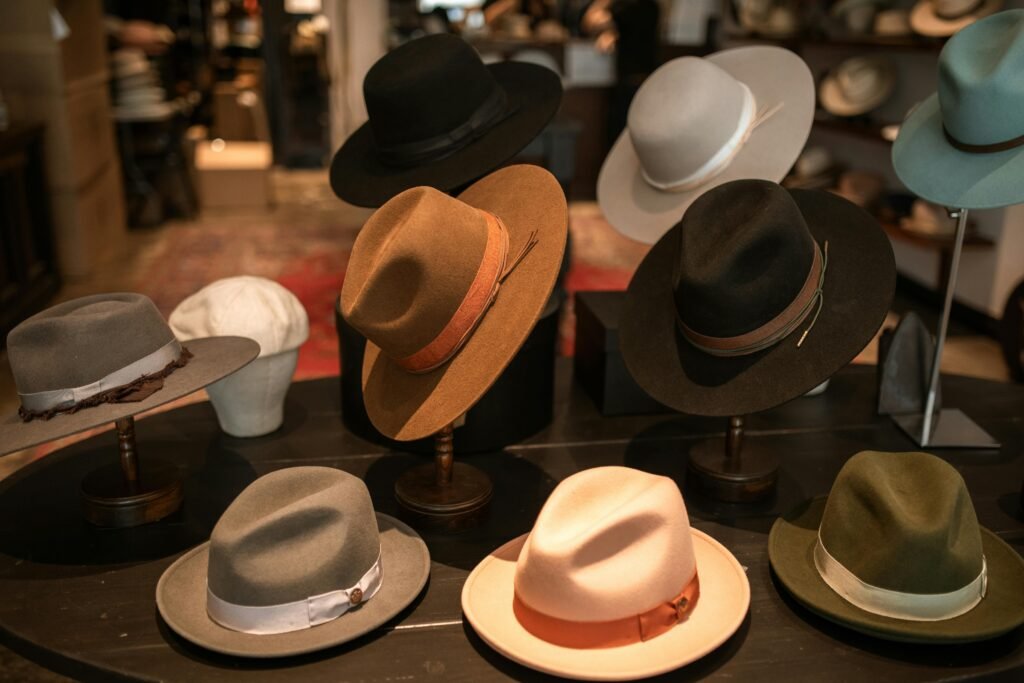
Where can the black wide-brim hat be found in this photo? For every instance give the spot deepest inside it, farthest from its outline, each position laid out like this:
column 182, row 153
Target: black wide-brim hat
column 859, row 283
column 532, row 95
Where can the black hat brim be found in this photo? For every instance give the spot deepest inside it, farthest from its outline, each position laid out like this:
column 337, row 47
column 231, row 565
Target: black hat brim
column 358, row 177
column 859, row 285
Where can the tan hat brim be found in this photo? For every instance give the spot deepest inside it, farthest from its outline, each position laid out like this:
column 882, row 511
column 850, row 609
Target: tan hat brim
column 791, row 553
column 926, row 22
column 774, row 76
column 722, row 606
column 835, row 102
column 181, row 599
column 213, row 358
column 406, row 406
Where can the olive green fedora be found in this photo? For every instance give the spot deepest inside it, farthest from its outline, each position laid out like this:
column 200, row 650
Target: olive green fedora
column 963, row 147
column 896, row 552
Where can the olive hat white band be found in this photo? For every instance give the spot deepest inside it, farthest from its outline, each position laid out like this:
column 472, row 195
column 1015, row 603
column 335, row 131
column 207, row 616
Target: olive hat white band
column 895, row 604
column 62, row 398
column 297, row 615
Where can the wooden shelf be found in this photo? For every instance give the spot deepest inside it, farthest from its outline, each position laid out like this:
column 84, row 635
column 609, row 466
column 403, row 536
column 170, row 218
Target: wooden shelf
column 971, row 240
column 912, row 43
column 861, row 129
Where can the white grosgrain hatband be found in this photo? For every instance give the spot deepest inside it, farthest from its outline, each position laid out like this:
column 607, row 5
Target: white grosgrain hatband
column 62, row 398
column 297, row 615
column 895, row 604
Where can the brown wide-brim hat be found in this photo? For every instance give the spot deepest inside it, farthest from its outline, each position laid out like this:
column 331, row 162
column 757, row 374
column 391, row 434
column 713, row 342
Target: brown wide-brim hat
column 859, row 285
column 181, row 599
column 791, row 554
column 924, row 20
column 487, row 599
column 407, row 406
column 213, row 358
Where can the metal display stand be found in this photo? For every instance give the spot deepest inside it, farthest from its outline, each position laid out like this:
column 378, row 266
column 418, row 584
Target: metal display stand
column 949, row 427
column 445, row 494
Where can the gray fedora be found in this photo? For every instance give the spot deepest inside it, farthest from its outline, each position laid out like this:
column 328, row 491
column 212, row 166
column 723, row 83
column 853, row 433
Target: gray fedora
column 964, row 146
column 100, row 358
column 297, row 563
column 697, row 123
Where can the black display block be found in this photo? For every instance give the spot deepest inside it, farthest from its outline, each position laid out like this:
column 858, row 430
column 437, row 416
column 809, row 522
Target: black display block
column 517, row 406
column 598, row 366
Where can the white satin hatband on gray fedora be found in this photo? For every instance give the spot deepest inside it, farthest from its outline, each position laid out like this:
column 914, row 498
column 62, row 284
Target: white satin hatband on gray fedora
column 297, row 615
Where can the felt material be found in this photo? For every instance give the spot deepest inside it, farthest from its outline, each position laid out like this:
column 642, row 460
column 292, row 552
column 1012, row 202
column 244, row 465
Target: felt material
column 857, row 85
column 980, row 100
column 429, row 87
column 609, row 519
column 321, row 515
column 917, row 533
column 925, row 16
column 69, row 345
column 212, row 359
column 675, row 118
column 858, row 288
column 181, row 600
column 244, row 306
column 610, row 542
column 428, row 279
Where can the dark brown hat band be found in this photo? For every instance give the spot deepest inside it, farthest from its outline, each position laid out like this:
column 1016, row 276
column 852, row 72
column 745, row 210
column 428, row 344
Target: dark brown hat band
column 494, row 109
column 982, row 149
column 953, row 16
column 137, row 390
column 494, row 268
column 776, row 329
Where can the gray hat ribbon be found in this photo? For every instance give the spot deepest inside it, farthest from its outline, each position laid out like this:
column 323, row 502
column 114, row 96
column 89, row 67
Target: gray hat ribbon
column 297, row 615
column 57, row 399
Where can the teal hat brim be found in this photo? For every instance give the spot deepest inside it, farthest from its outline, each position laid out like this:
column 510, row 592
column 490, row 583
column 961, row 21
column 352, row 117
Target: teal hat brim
column 933, row 169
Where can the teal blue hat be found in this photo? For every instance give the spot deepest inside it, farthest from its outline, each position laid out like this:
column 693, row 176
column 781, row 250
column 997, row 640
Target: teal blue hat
column 964, row 146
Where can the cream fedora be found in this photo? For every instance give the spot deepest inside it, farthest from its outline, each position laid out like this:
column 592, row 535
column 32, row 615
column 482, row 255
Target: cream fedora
column 611, row 584
column 857, row 85
column 893, row 23
column 698, row 123
column 941, row 18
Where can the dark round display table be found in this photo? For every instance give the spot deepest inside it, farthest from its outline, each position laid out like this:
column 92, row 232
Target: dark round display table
column 80, row 599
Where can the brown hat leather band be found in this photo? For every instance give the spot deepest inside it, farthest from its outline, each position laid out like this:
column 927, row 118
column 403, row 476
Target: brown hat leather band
column 616, row 633
column 494, row 268
column 982, row 149
column 775, row 329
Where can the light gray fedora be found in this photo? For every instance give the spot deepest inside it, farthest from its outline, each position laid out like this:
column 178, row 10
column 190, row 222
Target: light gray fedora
column 963, row 147
column 297, row 563
column 697, row 123
column 857, row 85
column 100, row 358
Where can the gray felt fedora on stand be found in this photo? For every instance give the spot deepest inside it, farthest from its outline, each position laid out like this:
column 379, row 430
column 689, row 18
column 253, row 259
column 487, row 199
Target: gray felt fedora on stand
column 297, row 563
column 896, row 552
column 963, row 147
column 100, row 358
column 698, row 123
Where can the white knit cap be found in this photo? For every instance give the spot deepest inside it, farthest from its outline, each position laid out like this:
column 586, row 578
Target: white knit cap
column 244, row 306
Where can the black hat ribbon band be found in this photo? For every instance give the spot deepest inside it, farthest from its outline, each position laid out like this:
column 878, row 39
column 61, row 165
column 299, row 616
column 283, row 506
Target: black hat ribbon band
column 132, row 383
column 493, row 110
column 982, row 149
column 810, row 297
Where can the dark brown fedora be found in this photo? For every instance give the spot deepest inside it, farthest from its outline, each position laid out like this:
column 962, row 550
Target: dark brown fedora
column 97, row 359
column 440, row 117
column 756, row 297
column 447, row 289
